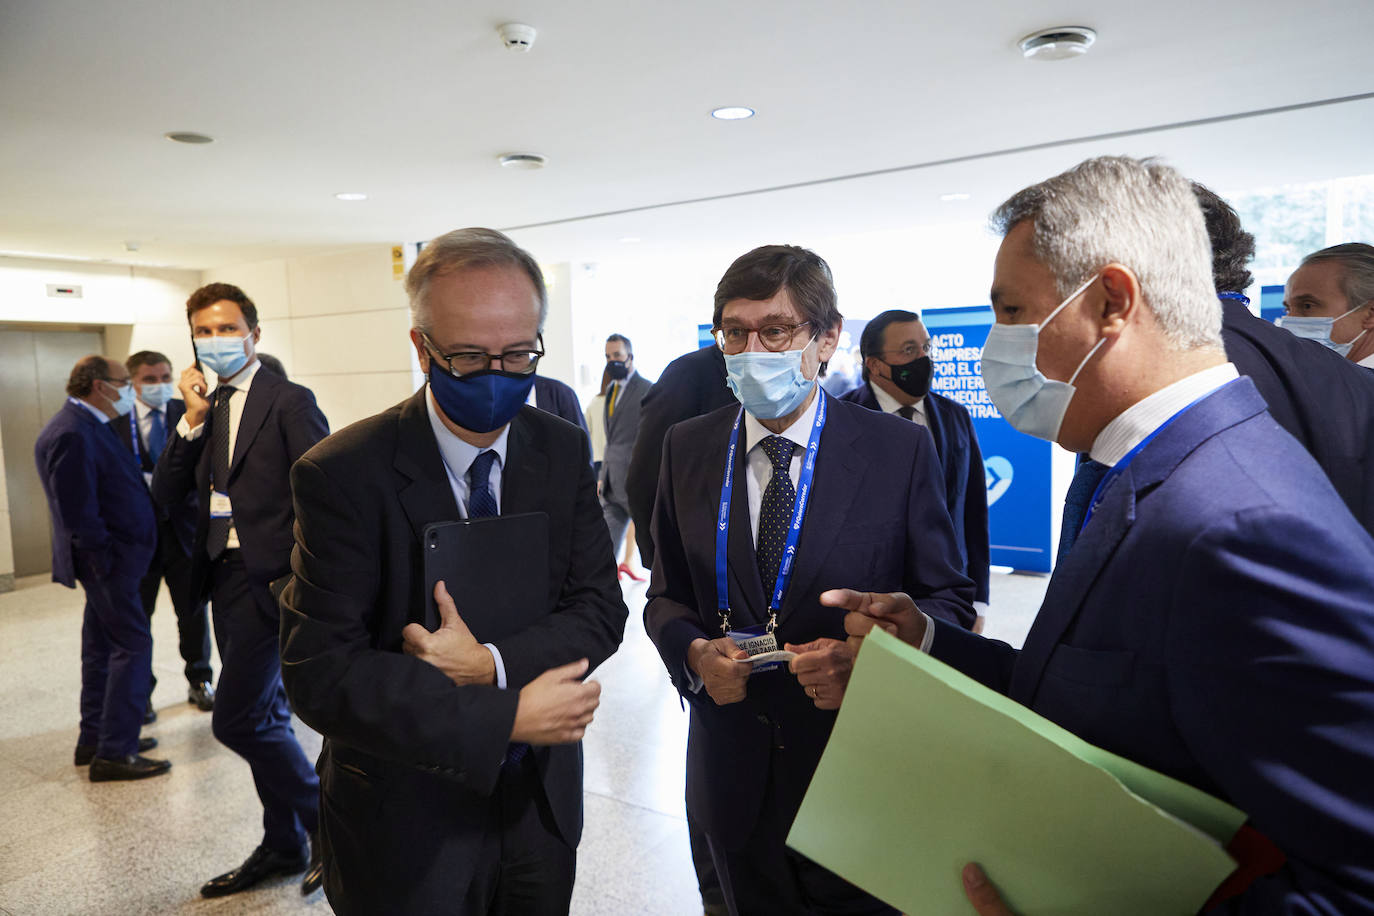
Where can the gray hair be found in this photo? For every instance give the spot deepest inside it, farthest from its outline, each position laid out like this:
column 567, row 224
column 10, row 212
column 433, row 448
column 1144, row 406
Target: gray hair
column 464, row 248
column 1135, row 212
column 1357, row 280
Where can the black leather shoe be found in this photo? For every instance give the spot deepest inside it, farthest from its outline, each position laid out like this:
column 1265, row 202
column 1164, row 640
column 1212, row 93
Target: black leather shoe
column 85, row 753
column 314, row 875
column 135, row 766
column 202, row 695
column 264, row 863
column 149, row 714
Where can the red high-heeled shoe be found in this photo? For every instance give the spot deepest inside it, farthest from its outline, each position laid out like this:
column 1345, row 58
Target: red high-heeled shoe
column 623, row 570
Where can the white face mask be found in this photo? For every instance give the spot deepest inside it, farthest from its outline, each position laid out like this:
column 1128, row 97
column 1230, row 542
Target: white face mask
column 769, row 385
column 125, row 402
column 1031, row 403
column 1319, row 329
column 155, row 395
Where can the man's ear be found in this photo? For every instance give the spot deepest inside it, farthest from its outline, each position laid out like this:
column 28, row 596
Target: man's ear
column 1120, row 298
column 257, row 335
column 421, row 351
column 1367, row 319
column 827, row 343
column 871, row 363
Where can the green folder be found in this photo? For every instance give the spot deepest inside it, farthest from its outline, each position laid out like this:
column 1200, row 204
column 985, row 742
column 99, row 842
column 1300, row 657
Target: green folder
column 927, row 770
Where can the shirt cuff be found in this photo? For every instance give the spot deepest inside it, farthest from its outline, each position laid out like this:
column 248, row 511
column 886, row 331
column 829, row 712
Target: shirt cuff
column 928, row 639
column 185, row 431
column 980, row 608
column 500, row 665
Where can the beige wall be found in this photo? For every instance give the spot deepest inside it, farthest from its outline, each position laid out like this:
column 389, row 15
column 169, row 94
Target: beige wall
column 6, row 544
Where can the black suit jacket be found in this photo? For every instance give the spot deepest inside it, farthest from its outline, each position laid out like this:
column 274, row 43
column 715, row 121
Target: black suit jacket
column 279, row 423
column 966, row 492
column 692, row 385
column 876, row 521
column 552, row 396
column 1325, row 401
column 180, row 520
column 409, row 757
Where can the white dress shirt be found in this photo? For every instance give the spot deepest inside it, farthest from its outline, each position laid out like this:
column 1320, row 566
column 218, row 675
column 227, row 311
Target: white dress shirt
column 760, row 469
column 888, row 404
column 95, row 412
column 458, row 457
column 241, row 382
column 1367, row 362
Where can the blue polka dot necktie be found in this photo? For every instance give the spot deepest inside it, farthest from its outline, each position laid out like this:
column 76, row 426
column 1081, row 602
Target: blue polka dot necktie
column 775, row 513
column 481, row 501
column 1086, row 477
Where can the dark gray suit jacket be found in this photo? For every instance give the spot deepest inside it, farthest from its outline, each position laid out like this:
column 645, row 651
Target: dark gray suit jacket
column 621, row 427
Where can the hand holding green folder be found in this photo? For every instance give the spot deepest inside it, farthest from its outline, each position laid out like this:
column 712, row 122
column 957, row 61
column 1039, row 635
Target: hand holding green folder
column 927, row 770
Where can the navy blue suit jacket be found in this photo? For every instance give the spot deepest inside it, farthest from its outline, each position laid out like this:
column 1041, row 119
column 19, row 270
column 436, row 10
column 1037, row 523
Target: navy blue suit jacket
column 181, row 519
column 966, row 491
column 876, row 520
column 1325, row 401
column 1215, row 621
column 280, row 422
column 97, row 498
column 552, row 396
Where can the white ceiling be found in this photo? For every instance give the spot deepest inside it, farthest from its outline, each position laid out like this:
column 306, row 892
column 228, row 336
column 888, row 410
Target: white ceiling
column 412, row 102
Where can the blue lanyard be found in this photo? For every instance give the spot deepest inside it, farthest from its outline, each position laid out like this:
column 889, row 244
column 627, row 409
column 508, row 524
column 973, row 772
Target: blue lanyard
column 133, row 434
column 789, row 550
column 1117, row 469
column 1235, row 297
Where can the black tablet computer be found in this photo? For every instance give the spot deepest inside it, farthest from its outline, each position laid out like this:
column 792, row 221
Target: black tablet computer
column 495, row 568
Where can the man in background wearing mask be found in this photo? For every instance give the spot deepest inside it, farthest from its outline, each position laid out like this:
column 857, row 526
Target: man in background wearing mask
column 451, row 769
column 897, row 370
column 760, row 508
column 1330, row 299
column 1214, row 619
column 103, row 532
column 145, row 432
column 627, row 389
column 234, row 449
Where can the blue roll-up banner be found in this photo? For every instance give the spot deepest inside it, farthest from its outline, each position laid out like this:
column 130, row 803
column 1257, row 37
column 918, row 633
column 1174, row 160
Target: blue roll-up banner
column 1271, row 302
column 1026, row 477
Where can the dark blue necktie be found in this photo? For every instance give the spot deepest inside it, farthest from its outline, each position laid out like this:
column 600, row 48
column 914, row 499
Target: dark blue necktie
column 482, row 504
column 157, row 435
column 1086, row 477
column 775, row 511
column 481, row 501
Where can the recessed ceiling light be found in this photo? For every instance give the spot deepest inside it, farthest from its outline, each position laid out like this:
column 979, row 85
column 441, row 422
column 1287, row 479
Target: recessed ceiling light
column 186, row 136
column 955, row 196
column 524, row 161
column 732, row 113
column 351, row 195
column 1059, row 43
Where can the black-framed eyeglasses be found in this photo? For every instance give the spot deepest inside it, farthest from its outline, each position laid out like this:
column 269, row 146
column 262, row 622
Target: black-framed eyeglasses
column 465, row 362
column 774, row 337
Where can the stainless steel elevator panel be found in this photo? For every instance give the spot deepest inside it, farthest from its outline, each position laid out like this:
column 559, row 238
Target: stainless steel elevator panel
column 34, row 366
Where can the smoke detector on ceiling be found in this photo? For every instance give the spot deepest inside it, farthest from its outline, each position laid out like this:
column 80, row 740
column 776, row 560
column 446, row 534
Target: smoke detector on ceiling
column 1059, row 43
column 517, row 36
column 525, row 161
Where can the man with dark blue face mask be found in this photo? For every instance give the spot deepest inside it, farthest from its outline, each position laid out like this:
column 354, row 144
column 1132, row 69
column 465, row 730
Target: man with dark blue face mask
column 760, row 508
column 465, row 751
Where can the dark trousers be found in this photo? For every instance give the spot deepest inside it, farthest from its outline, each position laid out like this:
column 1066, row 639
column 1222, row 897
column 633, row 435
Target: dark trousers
column 523, row 867
column 172, row 564
column 116, row 662
column 251, row 715
column 765, row 878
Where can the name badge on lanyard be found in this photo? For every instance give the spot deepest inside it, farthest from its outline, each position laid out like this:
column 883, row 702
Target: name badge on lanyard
column 759, row 641
column 220, row 507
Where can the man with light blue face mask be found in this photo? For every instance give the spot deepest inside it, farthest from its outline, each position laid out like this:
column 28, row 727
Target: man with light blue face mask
column 145, row 432
column 232, row 451
column 1214, row 618
column 1330, row 299
column 760, row 508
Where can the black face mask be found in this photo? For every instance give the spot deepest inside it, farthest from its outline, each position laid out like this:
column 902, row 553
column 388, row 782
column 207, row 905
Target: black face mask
column 913, row 377
column 618, row 369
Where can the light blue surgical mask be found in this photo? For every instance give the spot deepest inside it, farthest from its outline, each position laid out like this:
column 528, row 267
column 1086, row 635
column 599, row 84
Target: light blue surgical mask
column 769, row 385
column 1319, row 329
column 223, row 356
column 1028, row 400
column 157, row 395
column 125, row 402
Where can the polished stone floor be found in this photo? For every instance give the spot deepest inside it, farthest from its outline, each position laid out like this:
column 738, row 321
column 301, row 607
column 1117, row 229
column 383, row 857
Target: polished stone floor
column 69, row 847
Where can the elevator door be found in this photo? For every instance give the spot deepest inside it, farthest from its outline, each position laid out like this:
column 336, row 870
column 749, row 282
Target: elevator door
column 34, row 366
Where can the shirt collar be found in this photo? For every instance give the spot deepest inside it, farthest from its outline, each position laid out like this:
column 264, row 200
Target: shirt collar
column 98, row 414
column 459, row 455
column 243, row 379
column 799, row 432
column 888, row 404
column 1134, row 424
